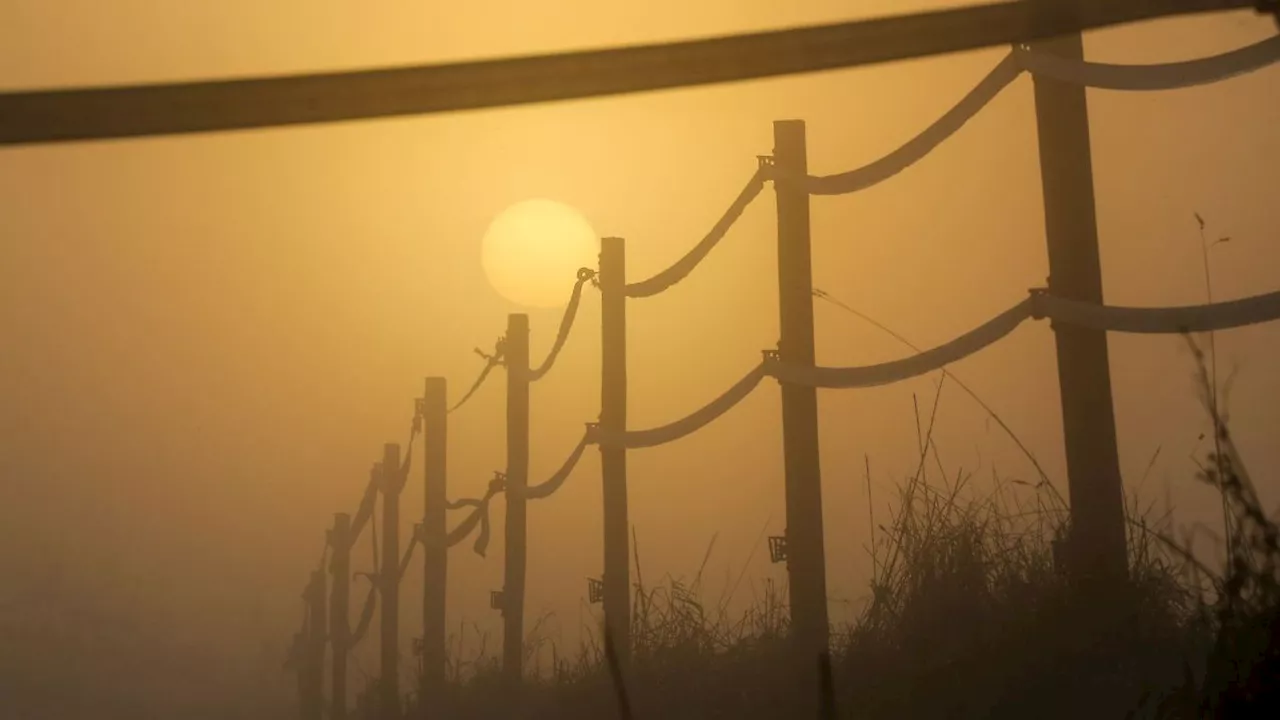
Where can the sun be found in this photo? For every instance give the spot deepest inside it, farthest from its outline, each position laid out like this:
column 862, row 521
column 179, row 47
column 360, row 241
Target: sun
column 531, row 252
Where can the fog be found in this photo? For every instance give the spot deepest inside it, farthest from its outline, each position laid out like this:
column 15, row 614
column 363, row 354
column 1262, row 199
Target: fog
column 205, row 341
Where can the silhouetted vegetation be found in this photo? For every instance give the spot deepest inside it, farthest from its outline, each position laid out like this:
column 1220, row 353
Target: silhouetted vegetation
column 970, row 615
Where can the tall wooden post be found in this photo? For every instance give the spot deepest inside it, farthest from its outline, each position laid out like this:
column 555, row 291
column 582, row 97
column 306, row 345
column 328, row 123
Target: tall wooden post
column 613, row 461
column 806, row 560
column 435, row 552
column 315, row 645
column 1097, row 547
column 339, row 605
column 389, row 580
column 516, row 352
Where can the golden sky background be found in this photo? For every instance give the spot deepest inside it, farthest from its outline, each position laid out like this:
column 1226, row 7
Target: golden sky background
column 205, row 341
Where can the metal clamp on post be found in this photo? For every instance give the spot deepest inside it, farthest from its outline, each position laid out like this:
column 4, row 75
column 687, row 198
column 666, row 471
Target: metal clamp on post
column 595, row 591
column 496, row 357
column 1038, row 310
column 778, row 548
column 495, row 600
column 765, row 168
column 772, row 358
column 1037, row 302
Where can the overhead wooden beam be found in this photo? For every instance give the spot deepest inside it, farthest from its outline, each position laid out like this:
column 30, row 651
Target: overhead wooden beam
column 96, row 113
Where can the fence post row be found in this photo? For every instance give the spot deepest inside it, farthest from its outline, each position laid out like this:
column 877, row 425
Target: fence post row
column 613, row 460
column 516, row 351
column 389, row 582
column 434, row 413
column 1096, row 548
column 1097, row 551
column 806, row 559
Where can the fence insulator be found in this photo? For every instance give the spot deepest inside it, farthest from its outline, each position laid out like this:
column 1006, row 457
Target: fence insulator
column 778, row 548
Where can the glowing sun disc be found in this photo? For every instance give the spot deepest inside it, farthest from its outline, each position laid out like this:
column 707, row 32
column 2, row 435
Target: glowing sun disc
column 531, row 252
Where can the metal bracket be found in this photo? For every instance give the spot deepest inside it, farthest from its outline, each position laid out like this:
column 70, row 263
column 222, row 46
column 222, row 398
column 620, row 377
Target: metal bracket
column 416, row 644
column 419, row 407
column 764, row 161
column 495, row 600
column 773, row 355
column 595, row 591
column 778, row 548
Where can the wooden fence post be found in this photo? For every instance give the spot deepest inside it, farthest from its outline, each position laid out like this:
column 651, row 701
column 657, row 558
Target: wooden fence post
column 805, row 555
column 516, row 353
column 613, row 461
column 1097, row 546
column 339, row 604
column 389, row 581
column 435, row 553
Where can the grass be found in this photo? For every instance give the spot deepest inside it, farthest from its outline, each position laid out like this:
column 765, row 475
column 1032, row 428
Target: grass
column 969, row 618
column 970, row 614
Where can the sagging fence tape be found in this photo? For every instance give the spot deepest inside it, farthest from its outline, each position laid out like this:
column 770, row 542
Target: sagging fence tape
column 1040, row 305
column 1103, row 76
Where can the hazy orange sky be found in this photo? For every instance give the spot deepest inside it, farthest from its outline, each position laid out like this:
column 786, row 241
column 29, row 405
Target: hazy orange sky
column 204, row 341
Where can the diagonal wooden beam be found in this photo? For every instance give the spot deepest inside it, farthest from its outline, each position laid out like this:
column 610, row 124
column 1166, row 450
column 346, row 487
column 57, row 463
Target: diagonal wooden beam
column 79, row 114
